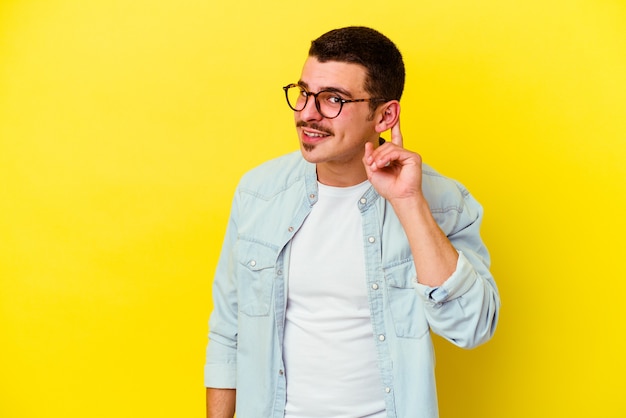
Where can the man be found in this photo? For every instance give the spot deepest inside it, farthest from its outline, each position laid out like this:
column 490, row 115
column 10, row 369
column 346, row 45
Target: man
column 340, row 258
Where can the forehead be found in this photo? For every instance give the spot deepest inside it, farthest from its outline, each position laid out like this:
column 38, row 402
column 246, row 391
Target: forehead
column 338, row 75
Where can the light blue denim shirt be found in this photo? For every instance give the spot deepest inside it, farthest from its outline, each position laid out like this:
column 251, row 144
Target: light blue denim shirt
column 250, row 289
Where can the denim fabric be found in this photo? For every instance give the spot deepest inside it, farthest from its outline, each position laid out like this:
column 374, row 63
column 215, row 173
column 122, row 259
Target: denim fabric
column 250, row 289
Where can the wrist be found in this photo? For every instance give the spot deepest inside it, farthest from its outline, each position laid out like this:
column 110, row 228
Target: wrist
column 410, row 205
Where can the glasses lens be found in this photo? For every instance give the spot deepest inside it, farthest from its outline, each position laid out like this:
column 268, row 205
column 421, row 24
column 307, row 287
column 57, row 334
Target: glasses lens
column 296, row 96
column 330, row 104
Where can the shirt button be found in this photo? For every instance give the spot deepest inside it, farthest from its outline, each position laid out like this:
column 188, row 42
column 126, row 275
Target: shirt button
column 279, row 272
column 363, row 200
column 375, row 286
column 280, row 372
column 312, row 196
column 253, row 263
column 387, row 390
column 290, row 229
column 371, row 239
column 381, row 337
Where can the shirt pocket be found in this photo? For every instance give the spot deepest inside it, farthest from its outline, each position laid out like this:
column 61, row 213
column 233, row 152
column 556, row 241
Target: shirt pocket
column 407, row 309
column 255, row 274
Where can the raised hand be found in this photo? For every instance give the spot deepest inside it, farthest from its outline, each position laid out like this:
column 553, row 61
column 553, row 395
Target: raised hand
column 395, row 172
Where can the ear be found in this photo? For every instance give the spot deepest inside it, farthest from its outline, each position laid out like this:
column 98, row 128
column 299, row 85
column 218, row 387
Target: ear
column 387, row 115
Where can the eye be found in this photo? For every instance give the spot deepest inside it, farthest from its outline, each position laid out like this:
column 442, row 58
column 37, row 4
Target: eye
column 332, row 98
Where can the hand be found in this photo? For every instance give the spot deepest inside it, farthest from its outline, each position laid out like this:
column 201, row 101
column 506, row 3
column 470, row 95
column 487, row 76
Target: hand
column 395, row 172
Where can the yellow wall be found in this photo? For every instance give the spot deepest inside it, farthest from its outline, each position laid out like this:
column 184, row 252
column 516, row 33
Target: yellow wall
column 125, row 125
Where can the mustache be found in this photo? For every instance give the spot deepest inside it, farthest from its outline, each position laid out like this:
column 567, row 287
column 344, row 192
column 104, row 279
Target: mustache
column 313, row 125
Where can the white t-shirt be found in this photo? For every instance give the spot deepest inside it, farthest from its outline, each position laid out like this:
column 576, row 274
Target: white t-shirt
column 329, row 348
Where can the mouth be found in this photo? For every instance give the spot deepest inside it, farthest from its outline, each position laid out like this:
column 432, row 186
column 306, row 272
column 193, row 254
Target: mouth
column 313, row 134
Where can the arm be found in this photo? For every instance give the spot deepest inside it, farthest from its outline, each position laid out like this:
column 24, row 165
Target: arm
column 220, row 370
column 461, row 300
column 434, row 256
column 220, row 403
column 396, row 174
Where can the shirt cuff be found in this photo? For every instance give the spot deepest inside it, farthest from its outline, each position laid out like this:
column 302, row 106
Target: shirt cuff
column 456, row 285
column 222, row 376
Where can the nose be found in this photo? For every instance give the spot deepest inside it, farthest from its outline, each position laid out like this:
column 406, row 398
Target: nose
column 310, row 112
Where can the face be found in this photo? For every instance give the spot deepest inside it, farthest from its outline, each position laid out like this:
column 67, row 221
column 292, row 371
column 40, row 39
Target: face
column 335, row 144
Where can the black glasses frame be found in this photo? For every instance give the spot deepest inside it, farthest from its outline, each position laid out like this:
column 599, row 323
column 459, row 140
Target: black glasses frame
column 317, row 103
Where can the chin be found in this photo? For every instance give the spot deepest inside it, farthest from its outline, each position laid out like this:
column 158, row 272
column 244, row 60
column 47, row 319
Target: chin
column 309, row 153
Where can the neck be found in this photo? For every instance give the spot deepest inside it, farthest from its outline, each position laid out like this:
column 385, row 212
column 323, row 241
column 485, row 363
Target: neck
column 341, row 174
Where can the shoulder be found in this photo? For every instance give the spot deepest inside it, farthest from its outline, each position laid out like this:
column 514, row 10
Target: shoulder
column 443, row 193
column 451, row 204
column 275, row 175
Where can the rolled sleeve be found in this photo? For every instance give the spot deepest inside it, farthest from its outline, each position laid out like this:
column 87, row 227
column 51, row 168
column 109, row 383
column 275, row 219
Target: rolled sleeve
column 456, row 285
column 220, row 375
column 464, row 309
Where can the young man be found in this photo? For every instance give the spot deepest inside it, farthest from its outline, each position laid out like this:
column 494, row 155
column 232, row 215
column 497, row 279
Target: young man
column 340, row 258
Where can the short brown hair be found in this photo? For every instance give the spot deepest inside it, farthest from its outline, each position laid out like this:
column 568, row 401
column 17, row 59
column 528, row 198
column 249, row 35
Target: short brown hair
column 371, row 49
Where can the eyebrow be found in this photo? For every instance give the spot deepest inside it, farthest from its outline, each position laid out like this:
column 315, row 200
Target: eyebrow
column 331, row 89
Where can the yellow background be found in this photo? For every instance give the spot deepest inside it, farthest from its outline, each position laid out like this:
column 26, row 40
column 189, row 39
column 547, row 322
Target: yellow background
column 125, row 125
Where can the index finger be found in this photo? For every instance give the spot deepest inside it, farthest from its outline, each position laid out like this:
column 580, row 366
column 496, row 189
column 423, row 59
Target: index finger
column 396, row 134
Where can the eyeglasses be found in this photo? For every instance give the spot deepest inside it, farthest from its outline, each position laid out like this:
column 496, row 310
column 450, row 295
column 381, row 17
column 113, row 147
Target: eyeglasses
column 327, row 102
